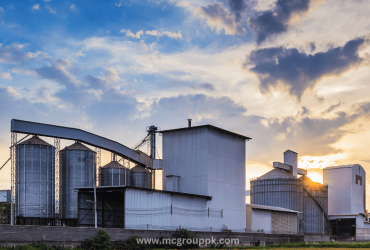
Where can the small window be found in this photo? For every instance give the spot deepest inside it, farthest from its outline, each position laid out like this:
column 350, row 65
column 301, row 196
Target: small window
column 358, row 179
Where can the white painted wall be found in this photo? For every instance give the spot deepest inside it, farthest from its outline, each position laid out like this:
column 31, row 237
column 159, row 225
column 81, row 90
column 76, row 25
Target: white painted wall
column 209, row 163
column 261, row 219
column 144, row 210
column 344, row 195
column 358, row 196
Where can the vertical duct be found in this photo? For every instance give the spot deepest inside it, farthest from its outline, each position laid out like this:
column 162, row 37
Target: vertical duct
column 189, row 123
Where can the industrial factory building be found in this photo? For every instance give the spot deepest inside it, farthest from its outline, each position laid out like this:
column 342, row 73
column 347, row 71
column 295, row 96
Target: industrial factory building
column 347, row 201
column 203, row 174
column 282, row 188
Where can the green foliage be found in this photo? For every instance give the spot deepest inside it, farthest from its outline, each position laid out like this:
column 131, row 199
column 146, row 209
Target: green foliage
column 99, row 242
column 183, row 233
column 129, row 244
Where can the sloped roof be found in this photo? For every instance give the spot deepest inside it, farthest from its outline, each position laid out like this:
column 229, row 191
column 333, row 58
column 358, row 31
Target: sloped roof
column 35, row 140
column 276, row 174
column 224, row 131
column 77, row 146
column 139, row 169
column 114, row 164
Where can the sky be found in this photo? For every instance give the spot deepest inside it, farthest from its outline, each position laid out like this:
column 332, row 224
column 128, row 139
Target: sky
column 290, row 74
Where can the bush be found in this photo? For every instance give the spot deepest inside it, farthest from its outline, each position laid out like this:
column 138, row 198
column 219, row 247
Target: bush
column 129, row 244
column 99, row 242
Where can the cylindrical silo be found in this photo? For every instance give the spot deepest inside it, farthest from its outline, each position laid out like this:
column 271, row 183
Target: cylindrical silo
column 315, row 207
column 35, row 178
column 114, row 174
column 77, row 169
column 141, row 177
column 279, row 189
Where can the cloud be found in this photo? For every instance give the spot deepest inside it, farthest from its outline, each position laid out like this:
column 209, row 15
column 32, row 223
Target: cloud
column 276, row 21
column 13, row 54
column 130, row 34
column 166, row 33
column 198, row 106
column 80, row 54
column 110, row 74
column 36, row 7
column 51, row 10
column 57, row 72
column 24, row 72
column 1, row 9
column 6, row 75
column 119, row 3
column 72, row 7
column 219, row 18
column 237, row 7
column 298, row 71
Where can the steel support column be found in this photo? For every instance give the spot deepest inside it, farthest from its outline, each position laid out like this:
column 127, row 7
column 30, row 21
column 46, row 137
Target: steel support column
column 57, row 177
column 98, row 165
column 13, row 156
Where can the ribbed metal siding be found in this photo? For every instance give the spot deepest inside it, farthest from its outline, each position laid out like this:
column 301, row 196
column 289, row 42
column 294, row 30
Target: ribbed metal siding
column 114, row 177
column 77, row 170
column 141, row 179
column 313, row 216
column 35, row 180
column 285, row 193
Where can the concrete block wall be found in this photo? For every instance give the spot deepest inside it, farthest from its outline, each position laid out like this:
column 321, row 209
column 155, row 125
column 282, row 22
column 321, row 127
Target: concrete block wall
column 74, row 236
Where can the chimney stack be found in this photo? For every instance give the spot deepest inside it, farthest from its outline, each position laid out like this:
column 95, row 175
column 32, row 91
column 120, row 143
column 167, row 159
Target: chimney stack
column 189, row 123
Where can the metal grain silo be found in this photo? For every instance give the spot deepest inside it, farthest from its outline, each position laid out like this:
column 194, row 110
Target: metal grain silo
column 35, row 182
column 279, row 189
column 315, row 207
column 141, row 177
column 77, row 169
column 114, row 174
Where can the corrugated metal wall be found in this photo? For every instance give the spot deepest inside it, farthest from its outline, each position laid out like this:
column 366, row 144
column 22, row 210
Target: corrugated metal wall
column 285, row 193
column 283, row 223
column 358, row 189
column 315, row 222
column 35, row 180
column 114, row 177
column 209, row 163
column 340, row 190
column 147, row 210
column 77, row 170
column 185, row 154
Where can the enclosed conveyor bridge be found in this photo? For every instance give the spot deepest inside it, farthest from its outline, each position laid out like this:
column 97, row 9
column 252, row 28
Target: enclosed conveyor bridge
column 41, row 129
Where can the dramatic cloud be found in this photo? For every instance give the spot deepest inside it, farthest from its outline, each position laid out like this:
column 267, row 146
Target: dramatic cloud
column 272, row 22
column 237, row 7
column 219, row 18
column 297, row 70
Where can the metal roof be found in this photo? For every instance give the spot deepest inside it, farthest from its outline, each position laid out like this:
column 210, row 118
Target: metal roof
column 75, row 134
column 139, row 169
column 343, row 166
column 120, row 188
column 209, row 127
column 114, row 164
column 35, row 140
column 290, row 151
column 255, row 206
column 276, row 174
column 77, row 146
